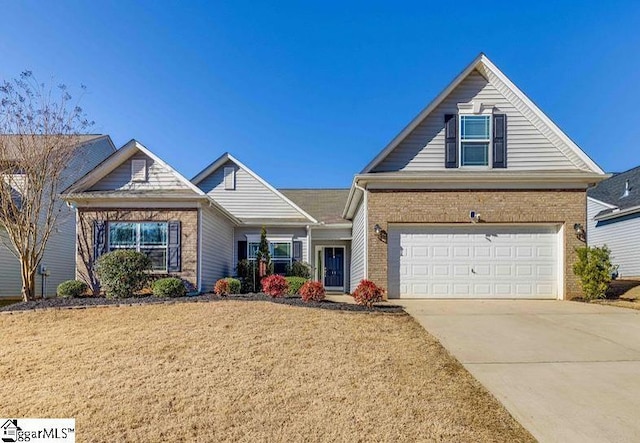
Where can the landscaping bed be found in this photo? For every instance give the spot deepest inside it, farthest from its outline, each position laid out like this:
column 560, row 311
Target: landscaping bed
column 82, row 302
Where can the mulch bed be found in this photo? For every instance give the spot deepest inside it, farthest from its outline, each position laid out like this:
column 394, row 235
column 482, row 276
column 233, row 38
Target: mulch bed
column 84, row 302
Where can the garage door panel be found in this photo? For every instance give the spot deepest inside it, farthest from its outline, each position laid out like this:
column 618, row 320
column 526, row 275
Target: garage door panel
column 473, row 261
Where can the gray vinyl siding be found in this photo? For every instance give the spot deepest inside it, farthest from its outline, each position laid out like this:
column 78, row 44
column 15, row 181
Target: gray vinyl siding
column 86, row 158
column 158, row 177
column 621, row 236
column 529, row 146
column 298, row 234
column 9, row 273
column 217, row 248
column 331, row 234
column 358, row 240
column 250, row 198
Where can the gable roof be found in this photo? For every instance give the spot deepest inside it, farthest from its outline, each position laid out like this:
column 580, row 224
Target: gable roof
column 611, row 193
column 325, row 205
column 119, row 157
column 226, row 157
column 482, row 64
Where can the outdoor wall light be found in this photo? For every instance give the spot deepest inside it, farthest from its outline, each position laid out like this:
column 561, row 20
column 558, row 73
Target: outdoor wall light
column 380, row 233
column 580, row 232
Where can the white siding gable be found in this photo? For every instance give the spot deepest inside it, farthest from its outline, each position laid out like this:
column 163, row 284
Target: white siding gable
column 250, row 198
column 158, row 177
column 529, row 145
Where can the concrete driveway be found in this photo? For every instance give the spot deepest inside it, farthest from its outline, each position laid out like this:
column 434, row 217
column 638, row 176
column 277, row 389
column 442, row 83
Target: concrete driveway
column 568, row 371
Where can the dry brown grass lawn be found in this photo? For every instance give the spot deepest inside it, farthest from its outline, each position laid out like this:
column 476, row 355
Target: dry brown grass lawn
column 242, row 371
column 623, row 293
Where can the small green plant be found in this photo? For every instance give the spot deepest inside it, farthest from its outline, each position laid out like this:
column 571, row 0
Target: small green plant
column 299, row 269
column 247, row 272
column 226, row 286
column 295, row 283
column 274, row 286
column 71, row 289
column 169, row 287
column 367, row 293
column 595, row 270
column 312, row 291
column 122, row 273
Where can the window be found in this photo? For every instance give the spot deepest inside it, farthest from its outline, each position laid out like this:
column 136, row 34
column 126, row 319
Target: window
column 475, row 138
column 149, row 238
column 280, row 252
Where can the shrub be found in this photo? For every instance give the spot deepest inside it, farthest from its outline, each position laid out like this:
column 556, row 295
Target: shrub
column 226, row 286
column 123, row 273
column 299, row 269
column 367, row 293
column 312, row 291
column 247, row 272
column 71, row 288
column 274, row 285
column 594, row 269
column 295, row 283
column 169, row 287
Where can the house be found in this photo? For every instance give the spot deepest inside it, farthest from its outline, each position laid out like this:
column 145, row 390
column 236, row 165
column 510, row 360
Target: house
column 10, row 430
column 613, row 219
column 59, row 256
column 476, row 198
column 198, row 230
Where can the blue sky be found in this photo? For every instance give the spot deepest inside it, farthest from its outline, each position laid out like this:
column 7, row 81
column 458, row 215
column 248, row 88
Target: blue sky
column 307, row 93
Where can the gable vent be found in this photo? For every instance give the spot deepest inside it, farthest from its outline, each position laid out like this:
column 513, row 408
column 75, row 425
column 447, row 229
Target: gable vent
column 138, row 170
column 229, row 178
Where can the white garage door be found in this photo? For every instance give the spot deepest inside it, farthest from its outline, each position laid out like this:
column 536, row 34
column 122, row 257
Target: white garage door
column 474, row 261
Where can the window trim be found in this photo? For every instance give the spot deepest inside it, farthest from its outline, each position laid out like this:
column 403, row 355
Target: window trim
column 137, row 247
column 255, row 240
column 479, row 110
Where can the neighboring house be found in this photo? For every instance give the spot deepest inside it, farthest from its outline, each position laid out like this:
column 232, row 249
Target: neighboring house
column 613, row 219
column 59, row 256
column 476, row 198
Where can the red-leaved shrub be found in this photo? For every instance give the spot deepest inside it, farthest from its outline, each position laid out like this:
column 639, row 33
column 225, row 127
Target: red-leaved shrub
column 367, row 293
column 275, row 286
column 221, row 287
column 312, row 291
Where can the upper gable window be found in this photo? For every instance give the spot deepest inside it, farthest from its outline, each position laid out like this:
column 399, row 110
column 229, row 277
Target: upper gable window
column 475, row 139
column 229, row 178
column 138, row 170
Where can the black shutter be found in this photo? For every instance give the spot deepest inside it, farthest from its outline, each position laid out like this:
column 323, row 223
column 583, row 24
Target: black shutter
column 451, row 141
column 500, row 141
column 99, row 238
column 174, row 261
column 297, row 251
column 242, row 250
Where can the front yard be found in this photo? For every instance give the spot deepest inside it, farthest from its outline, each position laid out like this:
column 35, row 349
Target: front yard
column 242, row 371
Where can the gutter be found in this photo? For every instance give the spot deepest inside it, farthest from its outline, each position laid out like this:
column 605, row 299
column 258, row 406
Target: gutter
column 618, row 213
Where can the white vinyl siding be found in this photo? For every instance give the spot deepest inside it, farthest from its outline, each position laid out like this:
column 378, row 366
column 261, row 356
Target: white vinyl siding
column 217, row 248
column 621, row 236
column 296, row 234
column 331, row 234
column 479, row 261
column 251, row 198
column 358, row 247
column 158, row 177
column 528, row 148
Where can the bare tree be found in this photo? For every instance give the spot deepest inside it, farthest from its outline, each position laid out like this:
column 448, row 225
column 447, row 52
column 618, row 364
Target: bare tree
column 40, row 127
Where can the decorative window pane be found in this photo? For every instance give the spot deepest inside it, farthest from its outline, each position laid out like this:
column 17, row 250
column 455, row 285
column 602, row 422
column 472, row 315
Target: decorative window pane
column 153, row 234
column 252, row 251
column 158, row 257
column 122, row 235
column 474, row 127
column 281, row 250
column 475, row 154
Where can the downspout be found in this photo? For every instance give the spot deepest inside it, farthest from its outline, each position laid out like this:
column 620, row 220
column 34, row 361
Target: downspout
column 366, row 230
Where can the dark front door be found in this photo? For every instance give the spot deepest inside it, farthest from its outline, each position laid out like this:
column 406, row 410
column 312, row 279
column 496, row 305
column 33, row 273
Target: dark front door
column 334, row 267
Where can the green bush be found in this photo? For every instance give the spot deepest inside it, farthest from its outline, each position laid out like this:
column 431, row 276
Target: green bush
column 234, row 285
column 295, row 283
column 122, row 273
column 169, row 287
column 71, row 289
column 594, row 269
column 299, row 269
column 247, row 273
column 226, row 286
